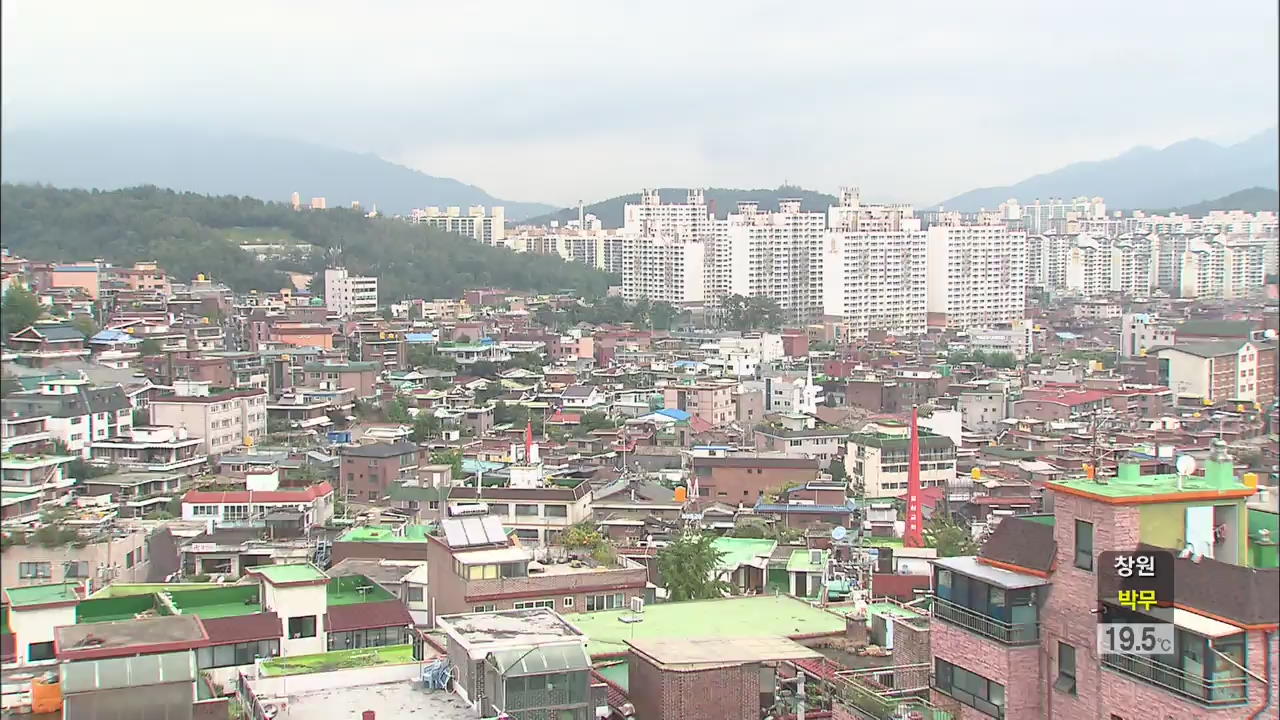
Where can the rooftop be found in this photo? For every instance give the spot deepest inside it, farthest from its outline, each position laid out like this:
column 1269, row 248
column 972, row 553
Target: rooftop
column 735, row 617
column 508, row 627
column 35, row 595
column 971, row 566
column 337, row 660
column 290, row 574
column 127, row 637
column 800, row 561
column 1150, row 488
column 386, row 700
column 210, row 604
column 691, row 653
column 383, row 533
column 741, row 551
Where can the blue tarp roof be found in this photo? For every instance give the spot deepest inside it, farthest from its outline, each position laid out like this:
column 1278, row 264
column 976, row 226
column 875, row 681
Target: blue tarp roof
column 674, row 414
column 419, row 338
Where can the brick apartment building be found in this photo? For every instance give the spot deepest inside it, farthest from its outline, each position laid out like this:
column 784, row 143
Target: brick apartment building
column 743, row 478
column 1014, row 631
column 366, row 473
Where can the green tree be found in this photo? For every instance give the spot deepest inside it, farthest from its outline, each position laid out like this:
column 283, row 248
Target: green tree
column 950, row 538
column 452, row 458
column 398, row 412
column 85, row 324
column 836, row 470
column 425, row 426
column 688, row 566
column 18, row 310
column 150, row 347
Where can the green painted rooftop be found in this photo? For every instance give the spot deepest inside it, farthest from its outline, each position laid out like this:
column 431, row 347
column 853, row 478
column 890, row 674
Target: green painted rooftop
column 739, row 551
column 800, row 562
column 301, row 572
column 355, row 589
column 338, row 660
column 753, row 616
column 221, row 602
column 1145, row 485
column 41, row 594
column 888, row 609
column 382, row 533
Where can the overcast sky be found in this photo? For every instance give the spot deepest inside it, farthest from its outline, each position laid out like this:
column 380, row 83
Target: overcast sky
column 556, row 101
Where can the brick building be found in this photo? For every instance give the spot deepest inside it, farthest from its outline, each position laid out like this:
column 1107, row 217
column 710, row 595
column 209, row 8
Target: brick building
column 1015, row 631
column 705, row 679
column 366, row 473
column 742, row 477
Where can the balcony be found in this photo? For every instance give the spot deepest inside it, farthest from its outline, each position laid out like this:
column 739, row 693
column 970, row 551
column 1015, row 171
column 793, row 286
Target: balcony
column 1214, row 693
column 986, row 626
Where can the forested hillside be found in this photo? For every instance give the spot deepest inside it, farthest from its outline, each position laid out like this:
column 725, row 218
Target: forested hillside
column 189, row 234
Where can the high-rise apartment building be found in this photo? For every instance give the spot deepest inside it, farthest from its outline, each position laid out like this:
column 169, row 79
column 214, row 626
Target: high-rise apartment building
column 977, row 275
column 1223, row 266
column 489, row 229
column 777, row 255
column 346, row 294
column 1055, row 214
column 666, row 248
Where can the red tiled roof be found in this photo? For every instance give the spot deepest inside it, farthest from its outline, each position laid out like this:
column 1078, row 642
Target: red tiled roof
column 244, row 628
column 565, row 418
column 617, row 696
column 699, row 425
column 1065, row 397
column 361, row 616
column 241, row 497
column 821, row 668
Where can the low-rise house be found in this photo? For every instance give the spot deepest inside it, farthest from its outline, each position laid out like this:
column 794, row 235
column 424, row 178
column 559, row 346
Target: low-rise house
column 797, row 434
column 151, row 448
column 42, row 344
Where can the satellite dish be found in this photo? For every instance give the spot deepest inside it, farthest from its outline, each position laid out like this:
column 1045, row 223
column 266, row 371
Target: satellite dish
column 838, row 533
column 1186, row 465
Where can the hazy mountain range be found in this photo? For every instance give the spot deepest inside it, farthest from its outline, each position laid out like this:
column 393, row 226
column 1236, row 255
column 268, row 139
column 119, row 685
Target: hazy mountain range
column 1187, row 172
column 109, row 158
column 1181, row 175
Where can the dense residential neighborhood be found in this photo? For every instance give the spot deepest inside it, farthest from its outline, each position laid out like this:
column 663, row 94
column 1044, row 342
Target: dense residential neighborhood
column 855, row 464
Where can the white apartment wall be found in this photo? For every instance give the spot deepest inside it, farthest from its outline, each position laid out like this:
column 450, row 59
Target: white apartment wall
column 35, row 626
column 877, row 280
column 976, row 274
column 1188, row 374
column 298, row 601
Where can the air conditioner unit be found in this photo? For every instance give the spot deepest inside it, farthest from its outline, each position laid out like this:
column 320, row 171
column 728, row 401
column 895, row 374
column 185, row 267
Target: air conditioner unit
column 637, row 604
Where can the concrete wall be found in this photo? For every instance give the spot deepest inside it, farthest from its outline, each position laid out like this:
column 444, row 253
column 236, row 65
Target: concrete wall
column 107, row 554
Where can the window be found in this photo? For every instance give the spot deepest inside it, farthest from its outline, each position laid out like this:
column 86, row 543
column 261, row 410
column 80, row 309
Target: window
column 526, row 510
column 1066, row 681
column 303, row 626
column 969, row 688
column 605, row 602
column 29, row 570
column 484, row 608
column 73, row 569
column 556, row 511
column 530, row 604
column 236, row 653
column 40, row 651
column 413, row 593
column 1084, row 545
column 568, row 602
column 128, row 559
column 373, row 494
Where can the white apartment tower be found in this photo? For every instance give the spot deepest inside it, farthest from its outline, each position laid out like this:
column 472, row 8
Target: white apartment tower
column 772, row 254
column 977, row 274
column 666, row 248
column 875, row 267
column 347, row 295
column 1223, row 266
column 489, row 229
